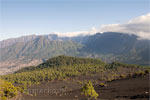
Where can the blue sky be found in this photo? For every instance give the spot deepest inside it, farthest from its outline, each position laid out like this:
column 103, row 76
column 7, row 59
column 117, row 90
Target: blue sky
column 25, row 17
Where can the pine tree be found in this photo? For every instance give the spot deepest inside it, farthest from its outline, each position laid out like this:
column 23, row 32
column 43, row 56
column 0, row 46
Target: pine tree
column 88, row 90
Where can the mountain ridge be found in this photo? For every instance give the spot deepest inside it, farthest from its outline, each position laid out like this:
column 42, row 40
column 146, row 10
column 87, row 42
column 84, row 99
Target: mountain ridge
column 109, row 46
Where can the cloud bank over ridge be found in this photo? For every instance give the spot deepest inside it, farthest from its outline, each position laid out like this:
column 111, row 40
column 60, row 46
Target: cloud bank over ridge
column 139, row 26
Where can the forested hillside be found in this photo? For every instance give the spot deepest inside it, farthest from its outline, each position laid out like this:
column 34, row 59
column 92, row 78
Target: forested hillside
column 64, row 61
column 63, row 68
column 109, row 46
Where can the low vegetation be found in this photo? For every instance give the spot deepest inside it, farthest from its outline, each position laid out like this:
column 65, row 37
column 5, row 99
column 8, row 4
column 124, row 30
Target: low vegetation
column 102, row 84
column 63, row 67
column 49, row 74
column 7, row 90
column 64, row 61
column 88, row 90
column 122, row 76
column 59, row 68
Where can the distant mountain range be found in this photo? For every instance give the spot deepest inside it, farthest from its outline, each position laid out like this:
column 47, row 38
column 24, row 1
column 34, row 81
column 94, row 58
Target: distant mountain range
column 127, row 48
column 34, row 49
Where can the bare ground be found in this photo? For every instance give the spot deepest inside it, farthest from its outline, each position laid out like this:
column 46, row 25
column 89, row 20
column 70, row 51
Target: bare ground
column 124, row 89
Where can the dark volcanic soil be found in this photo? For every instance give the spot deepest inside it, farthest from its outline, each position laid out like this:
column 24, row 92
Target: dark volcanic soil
column 125, row 89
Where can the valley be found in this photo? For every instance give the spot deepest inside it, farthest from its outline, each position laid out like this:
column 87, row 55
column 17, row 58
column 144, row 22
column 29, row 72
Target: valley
column 32, row 50
column 66, row 77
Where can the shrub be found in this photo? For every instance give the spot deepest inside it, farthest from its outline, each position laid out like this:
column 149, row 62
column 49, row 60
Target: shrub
column 20, row 89
column 102, row 84
column 122, row 76
column 130, row 74
column 7, row 90
column 80, row 82
column 4, row 98
column 88, row 90
column 139, row 73
column 109, row 79
column 65, row 87
column 146, row 71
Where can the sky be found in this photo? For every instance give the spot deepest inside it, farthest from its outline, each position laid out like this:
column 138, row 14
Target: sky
column 27, row 17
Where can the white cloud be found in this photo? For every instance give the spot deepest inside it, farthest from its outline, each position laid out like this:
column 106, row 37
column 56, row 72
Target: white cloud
column 72, row 34
column 78, row 33
column 139, row 26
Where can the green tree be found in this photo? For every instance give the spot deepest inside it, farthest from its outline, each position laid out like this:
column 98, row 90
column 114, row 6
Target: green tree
column 7, row 90
column 88, row 90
